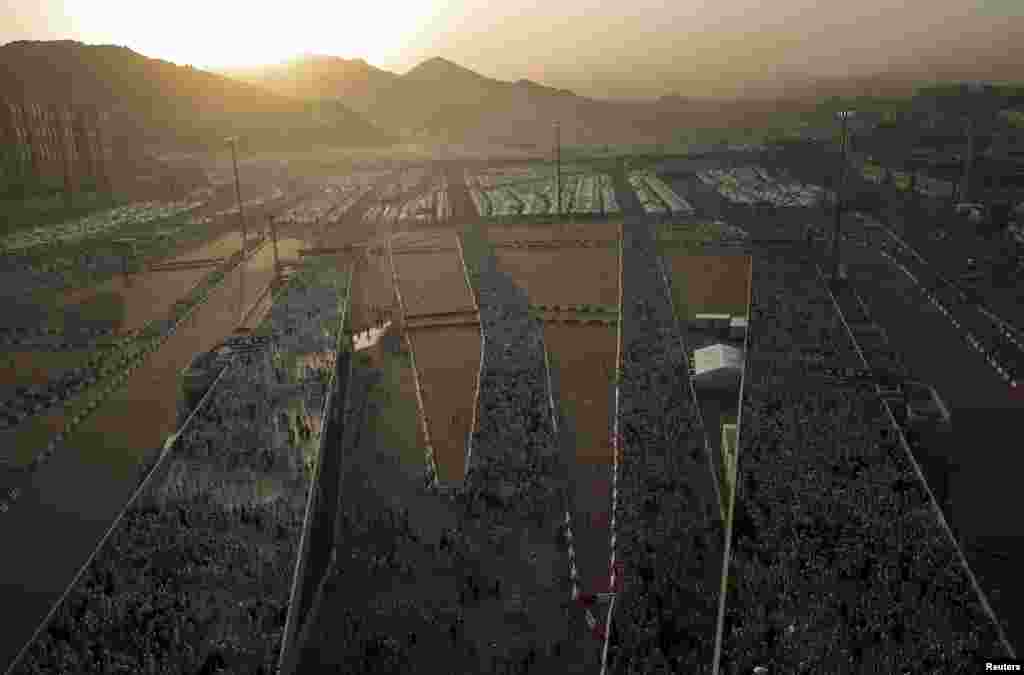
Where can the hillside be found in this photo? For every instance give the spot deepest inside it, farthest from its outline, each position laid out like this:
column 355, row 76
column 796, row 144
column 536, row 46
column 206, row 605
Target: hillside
column 155, row 101
column 439, row 97
column 313, row 77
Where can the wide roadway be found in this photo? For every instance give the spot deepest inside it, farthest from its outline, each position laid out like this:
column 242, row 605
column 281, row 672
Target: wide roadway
column 983, row 482
column 70, row 502
column 981, row 452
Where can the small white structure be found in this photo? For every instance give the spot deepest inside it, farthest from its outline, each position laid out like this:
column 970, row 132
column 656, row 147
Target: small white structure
column 717, row 367
column 738, row 328
column 711, row 321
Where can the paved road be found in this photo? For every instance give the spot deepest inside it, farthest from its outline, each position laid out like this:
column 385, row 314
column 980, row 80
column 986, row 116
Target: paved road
column 915, row 223
column 984, row 483
column 71, row 501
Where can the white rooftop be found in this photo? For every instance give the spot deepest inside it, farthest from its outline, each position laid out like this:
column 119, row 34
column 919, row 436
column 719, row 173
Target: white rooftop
column 718, row 366
column 717, row 356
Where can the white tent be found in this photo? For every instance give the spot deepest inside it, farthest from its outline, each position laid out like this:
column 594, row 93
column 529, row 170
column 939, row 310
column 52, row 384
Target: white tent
column 718, row 367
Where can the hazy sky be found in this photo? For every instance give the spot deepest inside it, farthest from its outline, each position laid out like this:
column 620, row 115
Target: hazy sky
column 623, row 49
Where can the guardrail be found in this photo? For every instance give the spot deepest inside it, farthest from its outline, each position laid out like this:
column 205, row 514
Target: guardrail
column 316, row 546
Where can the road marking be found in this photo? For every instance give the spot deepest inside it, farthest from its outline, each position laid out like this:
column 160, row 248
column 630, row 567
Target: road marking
column 1006, row 328
column 965, row 332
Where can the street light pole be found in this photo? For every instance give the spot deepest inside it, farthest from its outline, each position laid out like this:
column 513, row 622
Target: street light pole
column 233, row 142
column 975, row 91
column 273, row 235
column 839, row 194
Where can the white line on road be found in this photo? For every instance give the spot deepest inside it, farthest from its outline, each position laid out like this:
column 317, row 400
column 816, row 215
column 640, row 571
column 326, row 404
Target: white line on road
column 1000, row 369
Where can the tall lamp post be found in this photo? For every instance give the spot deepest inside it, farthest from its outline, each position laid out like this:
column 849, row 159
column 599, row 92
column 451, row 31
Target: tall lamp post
column 844, row 115
column 976, row 97
column 233, row 142
column 273, row 235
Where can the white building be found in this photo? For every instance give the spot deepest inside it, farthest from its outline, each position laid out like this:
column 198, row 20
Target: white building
column 718, row 367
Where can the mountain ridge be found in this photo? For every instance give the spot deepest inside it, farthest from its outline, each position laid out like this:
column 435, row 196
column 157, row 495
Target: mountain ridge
column 153, row 99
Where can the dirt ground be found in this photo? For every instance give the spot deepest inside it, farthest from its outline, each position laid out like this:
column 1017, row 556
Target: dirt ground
column 573, row 276
column 432, row 283
column 150, row 295
column 372, row 291
column 710, row 284
column 449, row 362
column 584, row 357
column 432, row 238
column 137, row 418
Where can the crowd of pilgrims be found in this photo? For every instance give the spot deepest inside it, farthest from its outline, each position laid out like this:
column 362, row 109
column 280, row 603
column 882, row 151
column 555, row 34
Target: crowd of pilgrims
column 196, row 576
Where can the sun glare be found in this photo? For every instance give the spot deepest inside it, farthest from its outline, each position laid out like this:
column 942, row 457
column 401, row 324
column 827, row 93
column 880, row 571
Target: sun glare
column 231, row 33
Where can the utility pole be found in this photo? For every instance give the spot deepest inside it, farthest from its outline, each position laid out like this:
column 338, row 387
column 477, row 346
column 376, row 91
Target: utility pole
column 233, row 142
column 273, row 237
column 979, row 102
column 968, row 160
column 843, row 115
column 558, row 171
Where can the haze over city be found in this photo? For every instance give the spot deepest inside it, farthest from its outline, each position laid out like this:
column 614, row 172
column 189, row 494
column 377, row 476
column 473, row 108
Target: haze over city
column 570, row 337
column 640, row 49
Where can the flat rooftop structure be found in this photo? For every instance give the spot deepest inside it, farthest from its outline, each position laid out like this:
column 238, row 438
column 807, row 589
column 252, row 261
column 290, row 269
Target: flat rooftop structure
column 717, row 367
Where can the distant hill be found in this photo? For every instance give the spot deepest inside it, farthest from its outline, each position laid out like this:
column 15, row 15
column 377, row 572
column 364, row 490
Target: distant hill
column 155, row 101
column 440, row 97
column 313, row 77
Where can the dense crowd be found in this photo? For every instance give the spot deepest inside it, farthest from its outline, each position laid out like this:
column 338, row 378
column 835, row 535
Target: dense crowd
column 196, row 576
column 839, row 562
column 24, row 401
column 41, row 271
column 476, row 536
column 669, row 539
